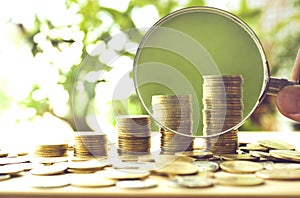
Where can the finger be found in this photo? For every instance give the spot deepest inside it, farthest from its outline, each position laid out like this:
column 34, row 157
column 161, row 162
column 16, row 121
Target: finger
column 288, row 102
column 296, row 68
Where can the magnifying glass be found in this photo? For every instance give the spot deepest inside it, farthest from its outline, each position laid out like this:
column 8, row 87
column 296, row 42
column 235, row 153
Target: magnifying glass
column 209, row 56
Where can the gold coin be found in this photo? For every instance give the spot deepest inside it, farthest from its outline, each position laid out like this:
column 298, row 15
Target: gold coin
column 253, row 147
column 276, row 144
column 241, row 166
column 162, row 160
column 54, row 169
column 289, row 155
column 53, row 181
column 206, row 166
column 259, row 154
column 192, row 181
column 238, row 157
column 14, row 160
column 146, row 158
column 137, row 184
column 87, row 165
column 11, row 169
column 177, row 168
column 124, row 174
column 281, row 166
column 90, row 180
column 196, row 154
column 239, row 180
column 81, row 171
column 4, row 177
column 49, row 160
column 279, row 174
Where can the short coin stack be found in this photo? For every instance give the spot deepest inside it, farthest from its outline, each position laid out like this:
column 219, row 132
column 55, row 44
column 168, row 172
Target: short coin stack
column 223, row 109
column 51, row 150
column 134, row 136
column 90, row 145
column 174, row 112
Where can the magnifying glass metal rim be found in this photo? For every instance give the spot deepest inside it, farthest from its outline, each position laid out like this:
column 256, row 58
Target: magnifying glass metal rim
column 270, row 85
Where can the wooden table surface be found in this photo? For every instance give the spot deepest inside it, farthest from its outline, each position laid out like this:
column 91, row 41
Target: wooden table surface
column 19, row 187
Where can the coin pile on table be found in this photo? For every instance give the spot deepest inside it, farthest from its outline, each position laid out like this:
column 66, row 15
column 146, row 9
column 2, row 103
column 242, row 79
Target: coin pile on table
column 223, row 109
column 51, row 150
column 174, row 112
column 90, row 145
column 134, row 136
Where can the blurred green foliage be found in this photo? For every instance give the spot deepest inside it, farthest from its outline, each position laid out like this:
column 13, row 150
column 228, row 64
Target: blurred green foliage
column 281, row 52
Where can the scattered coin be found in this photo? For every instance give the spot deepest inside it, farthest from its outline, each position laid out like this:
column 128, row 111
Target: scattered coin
column 177, row 168
column 4, row 177
column 11, row 169
column 288, row 155
column 241, row 166
column 193, row 181
column 137, row 184
column 90, row 180
column 196, row 154
column 279, row 174
column 54, row 181
column 206, row 166
column 239, row 180
column 287, row 166
column 125, row 174
column 54, row 169
column 259, row 154
column 86, row 166
column 162, row 160
column 49, row 160
column 245, row 156
column 14, row 160
column 3, row 154
column 253, row 147
column 276, row 144
column 26, row 166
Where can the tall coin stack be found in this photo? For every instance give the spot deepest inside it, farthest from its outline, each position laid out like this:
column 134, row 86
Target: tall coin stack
column 174, row 112
column 134, row 136
column 223, row 109
column 90, row 144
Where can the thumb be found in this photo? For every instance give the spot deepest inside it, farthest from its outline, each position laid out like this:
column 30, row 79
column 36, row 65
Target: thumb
column 288, row 102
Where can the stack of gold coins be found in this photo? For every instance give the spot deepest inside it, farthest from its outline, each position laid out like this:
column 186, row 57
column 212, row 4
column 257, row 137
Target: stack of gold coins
column 174, row 112
column 223, row 109
column 134, row 136
column 90, row 145
column 51, row 150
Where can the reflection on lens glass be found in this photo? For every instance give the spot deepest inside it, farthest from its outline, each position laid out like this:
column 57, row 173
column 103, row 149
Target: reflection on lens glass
column 182, row 48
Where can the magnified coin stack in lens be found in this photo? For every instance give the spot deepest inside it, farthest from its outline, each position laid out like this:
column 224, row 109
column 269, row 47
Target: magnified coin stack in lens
column 90, row 144
column 51, row 150
column 223, row 109
column 134, row 136
column 174, row 112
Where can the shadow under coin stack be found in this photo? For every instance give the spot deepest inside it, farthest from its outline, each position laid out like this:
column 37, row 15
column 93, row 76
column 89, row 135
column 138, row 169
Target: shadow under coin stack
column 90, row 145
column 223, row 109
column 174, row 112
column 51, row 150
column 134, row 136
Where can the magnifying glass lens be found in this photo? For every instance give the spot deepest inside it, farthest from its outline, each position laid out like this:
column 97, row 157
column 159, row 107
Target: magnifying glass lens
column 209, row 62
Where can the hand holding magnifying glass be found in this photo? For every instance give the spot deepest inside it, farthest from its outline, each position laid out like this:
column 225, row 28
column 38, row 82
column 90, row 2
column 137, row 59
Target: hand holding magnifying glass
column 288, row 99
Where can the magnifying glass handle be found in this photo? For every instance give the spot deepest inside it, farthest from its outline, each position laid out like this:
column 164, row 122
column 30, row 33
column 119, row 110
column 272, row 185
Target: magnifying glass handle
column 276, row 84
